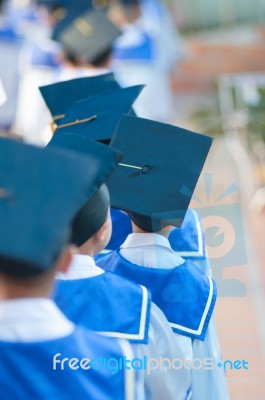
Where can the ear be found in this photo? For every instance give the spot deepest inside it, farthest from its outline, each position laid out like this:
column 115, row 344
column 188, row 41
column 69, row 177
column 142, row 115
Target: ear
column 100, row 234
column 66, row 259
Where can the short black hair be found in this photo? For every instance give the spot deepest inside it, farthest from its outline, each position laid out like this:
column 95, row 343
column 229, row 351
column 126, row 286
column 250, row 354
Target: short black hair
column 102, row 59
column 91, row 216
column 16, row 269
column 97, row 62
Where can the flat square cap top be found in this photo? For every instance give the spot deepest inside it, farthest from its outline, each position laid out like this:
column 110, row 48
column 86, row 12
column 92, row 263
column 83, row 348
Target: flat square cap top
column 107, row 157
column 65, row 11
column 159, row 161
column 88, row 35
column 61, row 95
column 96, row 117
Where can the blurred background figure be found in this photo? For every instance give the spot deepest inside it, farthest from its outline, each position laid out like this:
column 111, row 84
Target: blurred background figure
column 39, row 61
column 147, row 52
column 86, row 36
column 10, row 45
column 81, row 45
column 136, row 54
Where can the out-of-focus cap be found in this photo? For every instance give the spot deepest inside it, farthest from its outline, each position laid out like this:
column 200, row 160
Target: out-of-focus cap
column 89, row 35
column 96, row 117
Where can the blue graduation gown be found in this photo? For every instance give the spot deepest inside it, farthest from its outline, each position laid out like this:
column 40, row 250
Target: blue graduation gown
column 142, row 50
column 185, row 294
column 27, row 369
column 106, row 303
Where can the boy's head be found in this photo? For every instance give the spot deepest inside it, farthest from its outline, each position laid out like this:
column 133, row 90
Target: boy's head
column 40, row 192
column 91, row 226
column 159, row 171
column 87, row 38
column 14, row 284
column 91, row 229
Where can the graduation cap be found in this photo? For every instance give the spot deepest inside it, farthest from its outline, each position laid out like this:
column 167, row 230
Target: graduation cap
column 61, row 95
column 93, row 214
column 96, row 117
column 65, row 11
column 40, row 192
column 89, row 35
column 159, row 171
column 107, row 157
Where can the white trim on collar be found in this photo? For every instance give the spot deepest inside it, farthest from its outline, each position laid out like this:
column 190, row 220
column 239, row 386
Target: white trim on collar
column 141, row 334
column 204, row 315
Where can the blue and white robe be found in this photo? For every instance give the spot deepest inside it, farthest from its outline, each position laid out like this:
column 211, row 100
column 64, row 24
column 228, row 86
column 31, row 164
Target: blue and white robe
column 34, row 334
column 185, row 294
column 105, row 303
column 112, row 306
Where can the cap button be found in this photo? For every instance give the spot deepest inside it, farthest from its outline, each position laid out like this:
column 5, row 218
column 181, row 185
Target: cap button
column 145, row 169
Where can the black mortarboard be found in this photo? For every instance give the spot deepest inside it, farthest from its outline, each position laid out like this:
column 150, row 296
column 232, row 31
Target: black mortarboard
column 93, row 214
column 41, row 190
column 61, row 95
column 107, row 157
column 159, row 171
column 65, row 11
column 96, row 117
column 88, row 35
